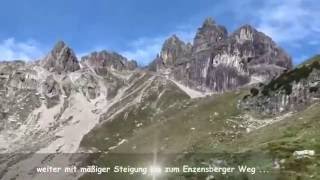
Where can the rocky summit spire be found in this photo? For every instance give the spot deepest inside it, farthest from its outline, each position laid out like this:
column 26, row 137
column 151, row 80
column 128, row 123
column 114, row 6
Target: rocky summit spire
column 208, row 35
column 259, row 48
column 218, row 62
column 173, row 49
column 172, row 41
column 208, row 22
column 61, row 59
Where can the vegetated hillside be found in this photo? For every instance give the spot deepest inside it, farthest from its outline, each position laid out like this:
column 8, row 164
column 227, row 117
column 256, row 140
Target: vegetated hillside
column 291, row 91
column 285, row 80
column 281, row 139
column 310, row 61
column 217, row 129
column 175, row 129
column 170, row 125
column 209, row 130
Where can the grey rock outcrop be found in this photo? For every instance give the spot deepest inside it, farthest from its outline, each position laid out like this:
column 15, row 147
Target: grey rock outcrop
column 51, row 91
column 132, row 65
column 102, row 60
column 61, row 59
column 218, row 62
column 291, row 91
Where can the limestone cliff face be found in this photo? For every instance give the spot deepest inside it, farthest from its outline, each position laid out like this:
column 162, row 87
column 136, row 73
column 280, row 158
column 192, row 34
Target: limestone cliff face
column 291, row 91
column 61, row 59
column 218, row 62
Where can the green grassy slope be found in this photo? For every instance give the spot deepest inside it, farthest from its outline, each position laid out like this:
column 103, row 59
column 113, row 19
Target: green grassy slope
column 197, row 131
column 310, row 61
column 174, row 124
column 280, row 140
column 285, row 80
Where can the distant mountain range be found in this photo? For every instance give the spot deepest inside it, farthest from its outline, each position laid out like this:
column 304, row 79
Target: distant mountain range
column 224, row 92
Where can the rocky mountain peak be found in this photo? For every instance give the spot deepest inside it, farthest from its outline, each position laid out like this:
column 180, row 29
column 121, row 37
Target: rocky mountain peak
column 208, row 22
column 61, row 59
column 218, row 62
column 247, row 27
column 245, row 33
column 173, row 50
column 172, row 42
column 263, row 50
column 209, row 35
column 59, row 46
column 104, row 59
column 173, row 38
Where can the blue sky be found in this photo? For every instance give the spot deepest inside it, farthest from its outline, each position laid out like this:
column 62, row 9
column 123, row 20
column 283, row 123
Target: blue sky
column 137, row 28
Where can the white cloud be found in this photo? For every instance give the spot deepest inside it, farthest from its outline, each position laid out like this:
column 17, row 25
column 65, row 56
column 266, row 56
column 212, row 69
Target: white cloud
column 314, row 42
column 144, row 50
column 10, row 49
column 288, row 20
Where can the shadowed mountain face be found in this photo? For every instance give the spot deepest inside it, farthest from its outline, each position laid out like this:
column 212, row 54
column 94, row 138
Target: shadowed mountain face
column 218, row 62
column 105, row 105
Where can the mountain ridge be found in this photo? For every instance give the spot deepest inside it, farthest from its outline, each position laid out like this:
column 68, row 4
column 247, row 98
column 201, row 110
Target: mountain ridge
column 244, row 54
column 199, row 98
